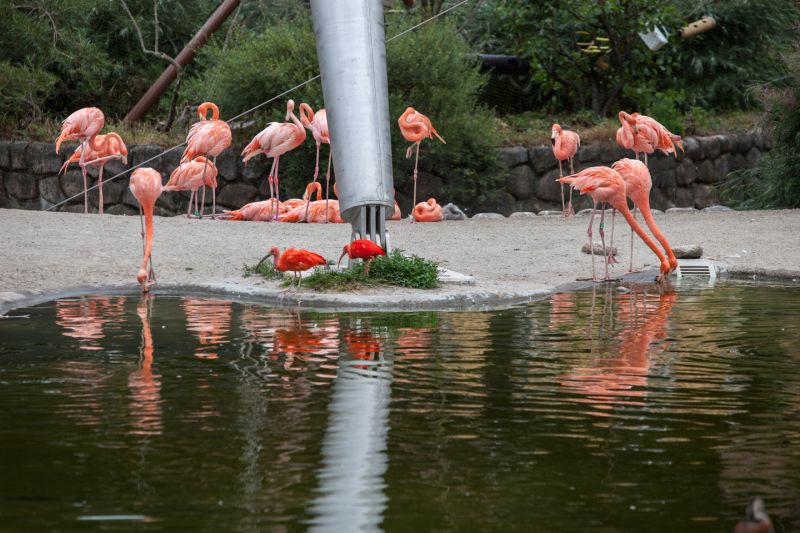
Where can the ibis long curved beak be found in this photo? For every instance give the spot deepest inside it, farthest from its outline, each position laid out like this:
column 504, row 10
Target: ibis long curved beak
column 344, row 253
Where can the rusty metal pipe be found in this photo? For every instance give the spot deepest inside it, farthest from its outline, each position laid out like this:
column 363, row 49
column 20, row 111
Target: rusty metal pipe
column 187, row 54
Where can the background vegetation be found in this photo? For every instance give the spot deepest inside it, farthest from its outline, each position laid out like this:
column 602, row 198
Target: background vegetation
column 60, row 55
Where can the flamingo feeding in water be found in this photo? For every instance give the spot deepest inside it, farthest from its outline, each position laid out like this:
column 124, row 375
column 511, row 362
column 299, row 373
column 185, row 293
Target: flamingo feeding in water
column 274, row 141
column 637, row 187
column 207, row 138
column 146, row 187
column 428, row 211
column 363, row 249
column 83, row 126
column 565, row 146
column 295, row 260
column 415, row 128
column 100, row 151
column 192, row 175
column 605, row 185
column 317, row 123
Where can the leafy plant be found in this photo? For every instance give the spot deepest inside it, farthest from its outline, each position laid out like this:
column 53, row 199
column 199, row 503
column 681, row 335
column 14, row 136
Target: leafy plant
column 265, row 269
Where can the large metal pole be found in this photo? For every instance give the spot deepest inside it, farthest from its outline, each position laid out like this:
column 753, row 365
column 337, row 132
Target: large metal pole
column 187, row 54
column 352, row 57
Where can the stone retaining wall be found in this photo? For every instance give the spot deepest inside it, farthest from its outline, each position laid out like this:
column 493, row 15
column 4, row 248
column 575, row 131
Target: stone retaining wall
column 29, row 177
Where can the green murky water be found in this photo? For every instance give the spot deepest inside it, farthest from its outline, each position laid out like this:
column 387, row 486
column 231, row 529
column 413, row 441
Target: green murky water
column 589, row 411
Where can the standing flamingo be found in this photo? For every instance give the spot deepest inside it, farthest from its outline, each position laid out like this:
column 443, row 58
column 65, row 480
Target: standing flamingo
column 192, row 175
column 633, row 137
column 208, row 138
column 274, row 141
column 83, row 125
column 106, row 147
column 145, row 185
column 565, row 146
column 665, row 140
column 317, row 123
column 295, row 260
column 363, row 249
column 637, row 187
column 415, row 128
column 604, row 184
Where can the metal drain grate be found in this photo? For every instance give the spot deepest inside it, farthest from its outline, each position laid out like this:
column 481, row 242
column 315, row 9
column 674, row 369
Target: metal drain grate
column 696, row 268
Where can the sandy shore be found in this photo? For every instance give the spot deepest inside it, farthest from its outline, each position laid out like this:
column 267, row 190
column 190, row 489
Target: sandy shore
column 50, row 254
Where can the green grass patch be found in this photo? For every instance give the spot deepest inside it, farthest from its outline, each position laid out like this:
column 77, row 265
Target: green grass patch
column 394, row 269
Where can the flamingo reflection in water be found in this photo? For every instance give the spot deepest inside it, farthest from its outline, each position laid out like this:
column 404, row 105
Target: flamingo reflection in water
column 621, row 378
column 145, row 386
column 210, row 320
column 85, row 319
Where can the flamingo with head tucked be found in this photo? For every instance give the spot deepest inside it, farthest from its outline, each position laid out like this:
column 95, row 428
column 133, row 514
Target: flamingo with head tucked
column 415, row 128
column 428, row 211
column 605, row 185
column 207, row 138
column 83, row 126
column 565, row 146
column 103, row 149
column 145, row 184
column 274, row 141
column 632, row 136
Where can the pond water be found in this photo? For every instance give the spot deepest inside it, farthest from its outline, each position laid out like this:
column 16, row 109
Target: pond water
column 598, row 410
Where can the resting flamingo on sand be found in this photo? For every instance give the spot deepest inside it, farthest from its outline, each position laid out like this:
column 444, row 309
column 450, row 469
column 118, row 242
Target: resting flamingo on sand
column 146, row 187
column 294, row 260
column 637, row 187
column 311, row 188
column 565, row 146
column 274, row 141
column 317, row 212
column 415, row 128
column 192, row 175
column 107, row 147
column 256, row 211
column 605, row 185
column 363, row 249
column 317, row 123
column 428, row 211
column 207, row 138
column 83, row 126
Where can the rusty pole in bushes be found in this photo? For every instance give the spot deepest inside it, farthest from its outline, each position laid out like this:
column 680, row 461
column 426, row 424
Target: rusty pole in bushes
column 187, row 54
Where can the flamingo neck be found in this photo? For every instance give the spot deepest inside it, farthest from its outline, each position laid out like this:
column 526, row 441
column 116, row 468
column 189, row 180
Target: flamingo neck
column 654, row 229
column 306, row 114
column 623, row 208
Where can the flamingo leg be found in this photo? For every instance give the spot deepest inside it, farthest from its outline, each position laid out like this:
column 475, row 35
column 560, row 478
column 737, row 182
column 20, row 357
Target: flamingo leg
column 203, row 201
column 561, row 186
column 630, row 268
column 82, row 164
column 570, row 211
column 191, row 199
column 213, row 196
column 100, row 190
column 591, row 242
column 271, row 185
column 414, row 198
column 328, row 183
column 603, row 240
column 316, row 174
column 277, row 187
column 611, row 259
column 196, row 205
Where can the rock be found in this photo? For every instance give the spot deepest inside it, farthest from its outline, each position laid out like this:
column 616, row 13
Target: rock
column 766, row 142
column 672, row 210
column 710, row 146
column 256, row 168
column 73, row 207
column 689, row 251
column 665, row 179
column 521, row 182
column 143, row 153
column 514, row 156
column 488, row 216
column 428, row 186
column 598, row 249
column 738, row 162
column 683, row 197
column 3, row 193
column 5, row 156
column 656, row 212
column 692, row 147
column 21, row 186
column 702, row 195
column 752, row 157
column 72, row 183
column 705, row 172
column 686, row 172
column 112, row 193
column 717, row 209
column 550, row 213
column 50, row 190
column 658, row 200
column 741, row 143
column 726, row 143
column 542, row 158
column 584, row 212
column 235, row 195
column 548, row 189
column 227, row 164
column 659, row 162
column 120, row 209
column 722, row 165
column 534, row 205
column 453, row 212
column 522, row 214
column 16, row 151
column 496, row 201
column 589, row 153
column 30, row 205
column 41, row 158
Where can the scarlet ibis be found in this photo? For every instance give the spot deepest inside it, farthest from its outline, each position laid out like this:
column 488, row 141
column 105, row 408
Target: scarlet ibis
column 757, row 519
column 295, row 260
column 363, row 249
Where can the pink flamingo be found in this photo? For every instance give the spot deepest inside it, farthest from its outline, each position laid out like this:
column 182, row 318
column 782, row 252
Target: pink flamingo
column 428, row 211
column 192, row 175
column 274, row 141
column 632, row 137
column 145, row 185
column 83, row 125
column 317, row 212
column 665, row 140
column 318, row 124
column 208, row 138
column 604, row 184
column 256, row 211
column 415, row 128
column 565, row 146
column 312, row 187
column 637, row 187
column 108, row 146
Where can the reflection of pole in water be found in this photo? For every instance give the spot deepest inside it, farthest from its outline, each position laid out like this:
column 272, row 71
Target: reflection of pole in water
column 350, row 496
